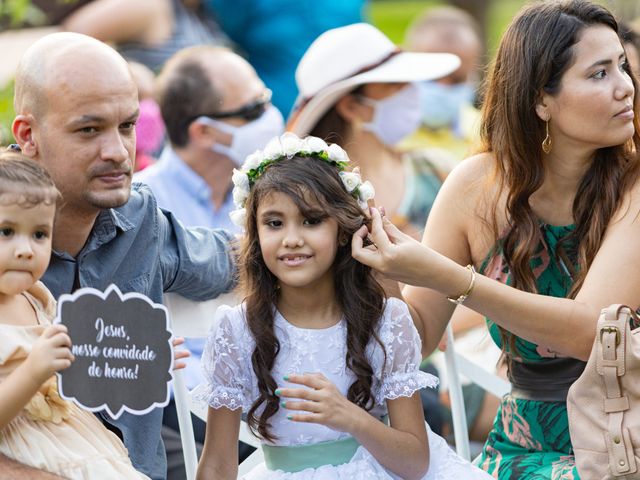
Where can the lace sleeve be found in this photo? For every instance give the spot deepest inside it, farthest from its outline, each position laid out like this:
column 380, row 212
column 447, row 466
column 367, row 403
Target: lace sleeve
column 401, row 375
column 226, row 362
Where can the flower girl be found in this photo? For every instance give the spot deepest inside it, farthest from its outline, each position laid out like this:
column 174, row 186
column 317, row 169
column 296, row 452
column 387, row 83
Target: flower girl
column 325, row 368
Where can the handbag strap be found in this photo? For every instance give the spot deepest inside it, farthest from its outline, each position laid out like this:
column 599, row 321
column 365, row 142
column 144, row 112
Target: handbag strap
column 611, row 341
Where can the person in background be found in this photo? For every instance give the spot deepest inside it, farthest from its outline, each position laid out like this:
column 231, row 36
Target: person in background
column 450, row 120
column 358, row 89
column 149, row 127
column 631, row 41
column 274, row 34
column 217, row 112
column 145, row 31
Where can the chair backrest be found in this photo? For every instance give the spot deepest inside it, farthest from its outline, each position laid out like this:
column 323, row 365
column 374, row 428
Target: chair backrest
column 194, row 319
column 456, row 366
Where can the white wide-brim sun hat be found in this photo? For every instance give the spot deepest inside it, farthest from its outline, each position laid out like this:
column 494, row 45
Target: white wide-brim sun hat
column 344, row 58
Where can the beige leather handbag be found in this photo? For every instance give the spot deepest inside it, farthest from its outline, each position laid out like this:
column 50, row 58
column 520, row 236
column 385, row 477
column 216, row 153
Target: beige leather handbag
column 604, row 403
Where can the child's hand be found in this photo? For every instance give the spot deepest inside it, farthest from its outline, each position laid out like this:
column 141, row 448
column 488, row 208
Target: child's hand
column 179, row 354
column 50, row 353
column 325, row 404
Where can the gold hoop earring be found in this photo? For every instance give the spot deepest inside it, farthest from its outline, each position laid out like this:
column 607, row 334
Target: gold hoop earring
column 546, row 143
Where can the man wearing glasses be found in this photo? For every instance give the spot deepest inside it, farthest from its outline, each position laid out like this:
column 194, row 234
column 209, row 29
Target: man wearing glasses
column 217, row 112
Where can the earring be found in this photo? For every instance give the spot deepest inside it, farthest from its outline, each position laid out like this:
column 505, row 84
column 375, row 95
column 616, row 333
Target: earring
column 343, row 240
column 546, row 143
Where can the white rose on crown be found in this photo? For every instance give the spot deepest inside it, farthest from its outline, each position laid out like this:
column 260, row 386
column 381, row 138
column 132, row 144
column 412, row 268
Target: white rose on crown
column 240, row 197
column 273, row 150
column 315, row 145
column 337, row 154
column 351, row 180
column 253, row 161
column 240, row 180
column 366, row 191
column 291, row 144
column 239, row 217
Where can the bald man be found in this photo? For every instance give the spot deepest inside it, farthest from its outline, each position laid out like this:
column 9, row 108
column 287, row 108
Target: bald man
column 217, row 112
column 77, row 105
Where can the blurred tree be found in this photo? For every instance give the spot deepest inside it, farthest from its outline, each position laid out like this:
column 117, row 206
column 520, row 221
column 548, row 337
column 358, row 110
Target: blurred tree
column 35, row 13
column 14, row 13
column 6, row 114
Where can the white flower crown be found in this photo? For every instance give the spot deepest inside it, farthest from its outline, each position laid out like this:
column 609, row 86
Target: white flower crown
column 289, row 145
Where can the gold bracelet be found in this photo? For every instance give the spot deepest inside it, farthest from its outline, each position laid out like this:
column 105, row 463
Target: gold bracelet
column 472, row 283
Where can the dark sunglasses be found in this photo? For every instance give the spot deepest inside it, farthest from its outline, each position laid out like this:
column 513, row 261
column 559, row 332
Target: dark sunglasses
column 249, row 112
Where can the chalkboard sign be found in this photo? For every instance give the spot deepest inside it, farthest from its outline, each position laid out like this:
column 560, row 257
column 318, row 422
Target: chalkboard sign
column 122, row 347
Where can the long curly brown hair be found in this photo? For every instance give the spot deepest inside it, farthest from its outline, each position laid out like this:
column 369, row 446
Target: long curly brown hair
column 533, row 56
column 316, row 188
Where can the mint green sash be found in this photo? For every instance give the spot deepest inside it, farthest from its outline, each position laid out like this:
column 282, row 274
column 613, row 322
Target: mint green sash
column 299, row 457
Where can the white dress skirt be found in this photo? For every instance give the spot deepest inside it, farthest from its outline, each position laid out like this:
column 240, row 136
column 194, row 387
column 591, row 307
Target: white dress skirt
column 230, row 383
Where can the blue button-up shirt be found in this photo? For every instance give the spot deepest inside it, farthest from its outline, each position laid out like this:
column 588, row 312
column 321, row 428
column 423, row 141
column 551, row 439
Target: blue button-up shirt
column 143, row 249
column 177, row 187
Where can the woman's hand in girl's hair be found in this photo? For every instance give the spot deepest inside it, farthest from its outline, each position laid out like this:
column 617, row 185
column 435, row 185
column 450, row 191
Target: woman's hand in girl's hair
column 50, row 353
column 393, row 253
column 179, row 354
column 320, row 403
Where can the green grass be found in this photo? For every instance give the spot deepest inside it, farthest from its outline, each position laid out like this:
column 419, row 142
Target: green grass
column 394, row 16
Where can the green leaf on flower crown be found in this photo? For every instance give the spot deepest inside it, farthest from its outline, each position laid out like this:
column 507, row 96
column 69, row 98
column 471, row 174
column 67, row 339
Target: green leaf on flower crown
column 255, row 173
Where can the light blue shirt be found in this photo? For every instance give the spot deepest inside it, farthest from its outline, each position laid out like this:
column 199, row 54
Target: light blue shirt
column 178, row 188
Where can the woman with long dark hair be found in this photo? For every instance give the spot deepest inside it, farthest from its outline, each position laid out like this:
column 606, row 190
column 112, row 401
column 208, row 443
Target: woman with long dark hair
column 547, row 214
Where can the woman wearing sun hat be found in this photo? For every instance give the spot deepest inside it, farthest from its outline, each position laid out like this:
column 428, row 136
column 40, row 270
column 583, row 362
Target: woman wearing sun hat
column 356, row 89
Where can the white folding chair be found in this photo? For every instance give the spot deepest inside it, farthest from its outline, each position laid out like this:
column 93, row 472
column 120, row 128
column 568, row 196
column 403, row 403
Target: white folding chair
column 457, row 365
column 193, row 319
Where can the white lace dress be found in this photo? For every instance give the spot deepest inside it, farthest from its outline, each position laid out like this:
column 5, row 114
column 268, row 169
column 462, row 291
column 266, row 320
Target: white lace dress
column 230, row 383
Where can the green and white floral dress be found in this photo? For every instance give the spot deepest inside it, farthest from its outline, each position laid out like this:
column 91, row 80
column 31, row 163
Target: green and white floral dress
column 530, row 437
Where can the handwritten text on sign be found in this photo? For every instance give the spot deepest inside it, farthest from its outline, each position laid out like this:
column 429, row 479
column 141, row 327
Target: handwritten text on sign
column 122, row 350
column 128, row 352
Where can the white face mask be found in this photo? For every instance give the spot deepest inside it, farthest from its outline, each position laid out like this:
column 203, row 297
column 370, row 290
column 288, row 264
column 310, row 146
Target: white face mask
column 441, row 104
column 249, row 137
column 396, row 116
